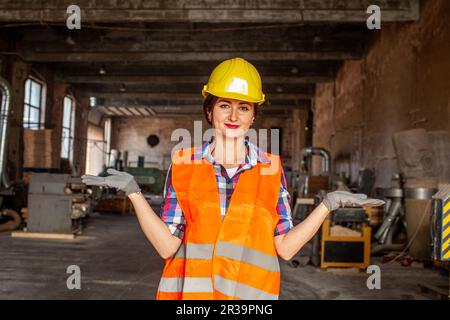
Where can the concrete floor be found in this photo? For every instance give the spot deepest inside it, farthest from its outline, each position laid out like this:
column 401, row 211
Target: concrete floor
column 117, row 262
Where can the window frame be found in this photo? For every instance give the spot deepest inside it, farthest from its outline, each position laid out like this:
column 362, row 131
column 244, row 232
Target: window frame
column 28, row 106
column 70, row 129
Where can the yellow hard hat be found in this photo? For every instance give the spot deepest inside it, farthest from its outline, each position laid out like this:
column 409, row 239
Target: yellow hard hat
column 235, row 79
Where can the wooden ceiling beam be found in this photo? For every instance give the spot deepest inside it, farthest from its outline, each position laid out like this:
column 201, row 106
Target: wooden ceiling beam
column 106, row 57
column 259, row 11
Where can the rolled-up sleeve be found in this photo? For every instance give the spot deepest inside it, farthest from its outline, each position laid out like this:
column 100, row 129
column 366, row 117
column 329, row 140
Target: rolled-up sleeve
column 283, row 209
column 171, row 213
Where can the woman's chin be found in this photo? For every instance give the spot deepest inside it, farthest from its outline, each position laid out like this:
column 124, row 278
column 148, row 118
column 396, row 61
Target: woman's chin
column 232, row 133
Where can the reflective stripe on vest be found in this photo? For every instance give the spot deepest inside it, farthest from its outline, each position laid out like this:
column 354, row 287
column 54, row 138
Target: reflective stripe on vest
column 229, row 250
column 195, row 251
column 247, row 255
column 240, row 290
column 187, row 284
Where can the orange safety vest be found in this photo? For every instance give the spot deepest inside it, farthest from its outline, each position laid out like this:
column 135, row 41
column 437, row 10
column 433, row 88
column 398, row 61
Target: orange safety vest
column 230, row 259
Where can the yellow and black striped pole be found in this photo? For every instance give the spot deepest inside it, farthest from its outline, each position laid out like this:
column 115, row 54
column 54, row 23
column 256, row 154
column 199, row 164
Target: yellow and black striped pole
column 445, row 238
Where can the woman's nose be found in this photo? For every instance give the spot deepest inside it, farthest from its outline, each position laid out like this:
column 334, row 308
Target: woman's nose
column 233, row 115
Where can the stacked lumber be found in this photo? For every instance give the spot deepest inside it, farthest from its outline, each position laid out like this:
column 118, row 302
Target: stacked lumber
column 39, row 146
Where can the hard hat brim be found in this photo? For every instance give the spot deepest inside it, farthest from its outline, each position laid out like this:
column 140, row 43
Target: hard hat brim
column 233, row 95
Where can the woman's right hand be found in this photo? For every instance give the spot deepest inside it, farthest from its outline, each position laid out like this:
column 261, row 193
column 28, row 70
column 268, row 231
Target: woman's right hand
column 116, row 179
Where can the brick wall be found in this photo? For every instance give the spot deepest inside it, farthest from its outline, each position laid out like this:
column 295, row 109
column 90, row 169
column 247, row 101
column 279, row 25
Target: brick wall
column 402, row 83
column 131, row 134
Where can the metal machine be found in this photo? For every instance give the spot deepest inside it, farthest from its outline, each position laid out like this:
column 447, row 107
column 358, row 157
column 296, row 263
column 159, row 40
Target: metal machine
column 9, row 218
column 151, row 180
column 56, row 203
column 351, row 246
column 308, row 185
column 394, row 214
column 308, row 188
column 148, row 176
column 440, row 225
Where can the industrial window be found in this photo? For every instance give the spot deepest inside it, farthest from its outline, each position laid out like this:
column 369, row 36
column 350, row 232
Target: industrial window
column 33, row 115
column 107, row 136
column 68, row 124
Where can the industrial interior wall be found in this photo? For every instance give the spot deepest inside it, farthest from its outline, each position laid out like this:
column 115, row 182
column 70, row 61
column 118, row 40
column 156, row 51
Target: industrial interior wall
column 130, row 134
column 403, row 83
column 16, row 72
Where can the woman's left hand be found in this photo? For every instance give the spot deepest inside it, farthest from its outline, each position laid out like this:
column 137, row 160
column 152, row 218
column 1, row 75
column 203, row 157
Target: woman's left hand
column 337, row 199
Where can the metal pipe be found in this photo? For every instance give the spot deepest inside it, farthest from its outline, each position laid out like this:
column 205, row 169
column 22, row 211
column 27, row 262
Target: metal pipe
column 5, row 90
column 383, row 232
column 311, row 151
column 11, row 224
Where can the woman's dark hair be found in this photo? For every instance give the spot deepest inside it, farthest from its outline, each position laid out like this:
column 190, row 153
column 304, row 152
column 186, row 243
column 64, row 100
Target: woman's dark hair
column 211, row 100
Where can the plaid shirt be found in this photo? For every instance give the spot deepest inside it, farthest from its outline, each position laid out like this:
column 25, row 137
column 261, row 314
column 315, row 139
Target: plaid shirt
column 172, row 214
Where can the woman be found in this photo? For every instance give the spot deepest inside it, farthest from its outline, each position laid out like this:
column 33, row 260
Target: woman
column 226, row 215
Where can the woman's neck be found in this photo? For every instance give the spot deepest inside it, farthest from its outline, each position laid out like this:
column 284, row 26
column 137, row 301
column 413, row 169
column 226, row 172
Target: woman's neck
column 229, row 151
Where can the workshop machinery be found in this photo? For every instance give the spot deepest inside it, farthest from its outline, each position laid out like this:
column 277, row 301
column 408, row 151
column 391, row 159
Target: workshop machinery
column 394, row 214
column 308, row 189
column 440, row 240
column 9, row 218
column 418, row 203
column 440, row 224
column 57, row 203
column 309, row 185
column 150, row 180
column 148, row 176
column 346, row 238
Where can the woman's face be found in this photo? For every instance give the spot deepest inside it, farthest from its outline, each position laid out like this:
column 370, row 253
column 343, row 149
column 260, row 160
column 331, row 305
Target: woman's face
column 232, row 118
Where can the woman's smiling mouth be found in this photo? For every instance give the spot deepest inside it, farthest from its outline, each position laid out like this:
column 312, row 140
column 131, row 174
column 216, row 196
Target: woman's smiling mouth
column 232, row 126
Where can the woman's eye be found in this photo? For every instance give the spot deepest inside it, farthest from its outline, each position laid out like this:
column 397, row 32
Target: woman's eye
column 244, row 108
column 223, row 106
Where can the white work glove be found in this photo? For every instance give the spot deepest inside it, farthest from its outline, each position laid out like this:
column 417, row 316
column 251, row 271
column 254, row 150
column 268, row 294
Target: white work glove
column 117, row 179
column 336, row 199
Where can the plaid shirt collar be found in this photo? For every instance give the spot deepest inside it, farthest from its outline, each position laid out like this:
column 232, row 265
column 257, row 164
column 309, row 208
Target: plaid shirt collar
column 254, row 155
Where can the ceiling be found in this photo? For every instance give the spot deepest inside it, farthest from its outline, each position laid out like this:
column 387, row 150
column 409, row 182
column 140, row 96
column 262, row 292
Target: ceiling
column 156, row 55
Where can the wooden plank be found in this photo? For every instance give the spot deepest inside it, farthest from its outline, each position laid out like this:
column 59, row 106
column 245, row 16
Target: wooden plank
column 306, row 201
column 38, row 235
